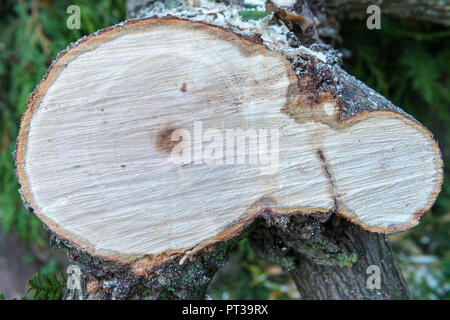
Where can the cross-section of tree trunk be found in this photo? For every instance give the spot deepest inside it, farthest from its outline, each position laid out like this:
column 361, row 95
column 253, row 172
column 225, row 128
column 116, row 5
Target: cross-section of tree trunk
column 161, row 138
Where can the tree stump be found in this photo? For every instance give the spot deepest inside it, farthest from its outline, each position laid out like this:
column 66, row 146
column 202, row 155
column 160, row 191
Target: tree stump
column 152, row 146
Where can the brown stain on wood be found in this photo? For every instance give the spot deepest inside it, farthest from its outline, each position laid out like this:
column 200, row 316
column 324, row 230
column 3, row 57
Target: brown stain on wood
column 164, row 142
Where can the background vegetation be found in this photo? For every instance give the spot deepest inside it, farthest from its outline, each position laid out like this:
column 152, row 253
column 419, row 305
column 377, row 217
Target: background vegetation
column 407, row 61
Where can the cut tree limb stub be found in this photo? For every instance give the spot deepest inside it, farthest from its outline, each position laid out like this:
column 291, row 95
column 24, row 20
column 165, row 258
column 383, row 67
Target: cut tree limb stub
column 95, row 149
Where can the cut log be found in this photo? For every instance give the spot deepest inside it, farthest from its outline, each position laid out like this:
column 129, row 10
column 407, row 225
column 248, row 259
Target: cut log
column 126, row 148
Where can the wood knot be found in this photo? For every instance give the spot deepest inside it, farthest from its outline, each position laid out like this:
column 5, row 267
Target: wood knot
column 164, row 142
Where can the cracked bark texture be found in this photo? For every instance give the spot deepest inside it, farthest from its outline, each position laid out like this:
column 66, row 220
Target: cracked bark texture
column 318, row 281
column 331, row 259
column 172, row 279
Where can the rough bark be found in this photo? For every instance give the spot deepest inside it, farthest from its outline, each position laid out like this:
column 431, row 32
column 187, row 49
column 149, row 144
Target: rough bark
column 435, row 11
column 173, row 278
column 332, row 259
column 316, row 281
